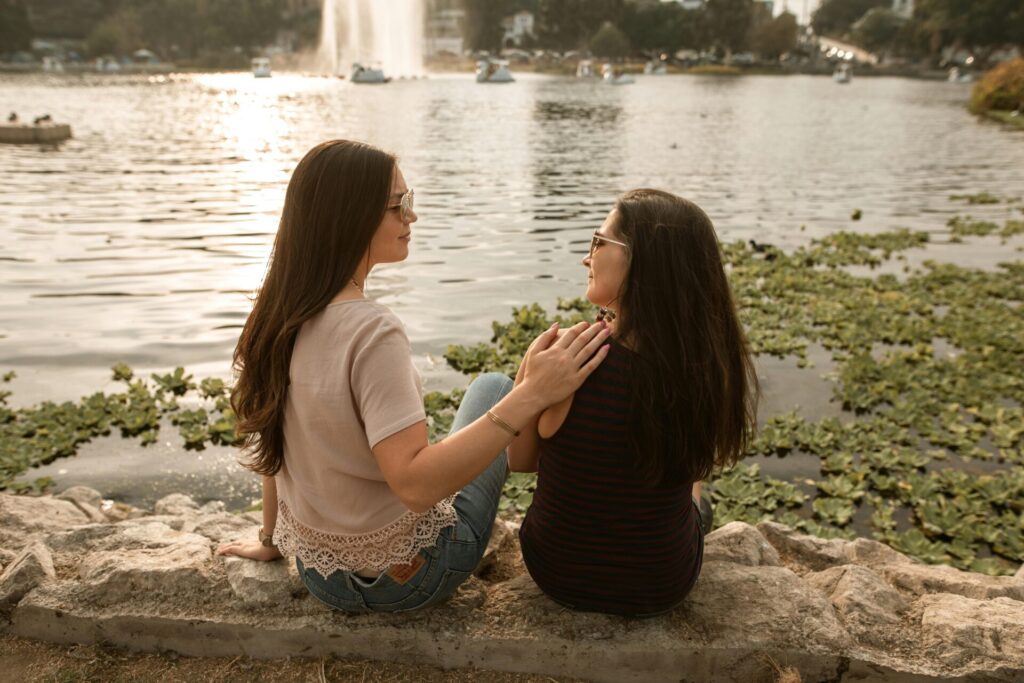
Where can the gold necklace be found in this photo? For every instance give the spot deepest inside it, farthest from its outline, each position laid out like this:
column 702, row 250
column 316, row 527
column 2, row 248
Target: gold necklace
column 356, row 285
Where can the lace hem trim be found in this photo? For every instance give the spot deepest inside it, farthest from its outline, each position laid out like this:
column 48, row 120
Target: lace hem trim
column 396, row 543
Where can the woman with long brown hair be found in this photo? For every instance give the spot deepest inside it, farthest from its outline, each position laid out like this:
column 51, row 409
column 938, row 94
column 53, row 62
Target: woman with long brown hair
column 616, row 524
column 331, row 409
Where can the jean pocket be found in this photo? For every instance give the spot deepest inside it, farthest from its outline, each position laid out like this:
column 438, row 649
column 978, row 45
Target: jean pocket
column 336, row 591
column 450, row 582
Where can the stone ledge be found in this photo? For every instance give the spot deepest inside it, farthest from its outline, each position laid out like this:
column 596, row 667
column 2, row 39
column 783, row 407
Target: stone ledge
column 836, row 610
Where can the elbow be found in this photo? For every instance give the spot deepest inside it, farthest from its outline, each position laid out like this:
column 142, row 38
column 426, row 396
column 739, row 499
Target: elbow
column 417, row 505
column 414, row 498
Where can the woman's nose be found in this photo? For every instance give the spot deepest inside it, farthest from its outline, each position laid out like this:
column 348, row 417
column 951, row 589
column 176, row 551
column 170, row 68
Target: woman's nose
column 413, row 217
column 586, row 261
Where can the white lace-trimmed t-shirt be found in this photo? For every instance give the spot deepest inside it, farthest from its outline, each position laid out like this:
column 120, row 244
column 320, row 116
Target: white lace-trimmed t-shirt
column 352, row 384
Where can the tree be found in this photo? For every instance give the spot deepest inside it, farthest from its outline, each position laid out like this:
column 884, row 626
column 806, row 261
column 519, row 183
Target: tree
column 773, row 38
column 836, row 17
column 878, row 29
column 482, row 25
column 729, row 23
column 570, row 24
column 663, row 27
column 15, row 29
column 610, row 42
column 63, row 19
column 119, row 34
column 984, row 25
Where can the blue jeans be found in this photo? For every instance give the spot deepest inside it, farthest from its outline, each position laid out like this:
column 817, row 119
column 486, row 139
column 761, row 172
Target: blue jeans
column 458, row 549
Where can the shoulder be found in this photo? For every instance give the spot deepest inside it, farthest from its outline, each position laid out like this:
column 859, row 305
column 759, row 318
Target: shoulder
column 363, row 318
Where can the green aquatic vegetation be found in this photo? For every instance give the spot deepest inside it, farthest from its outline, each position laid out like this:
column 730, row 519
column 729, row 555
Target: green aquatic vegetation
column 838, row 511
column 743, row 494
column 962, row 226
column 440, row 408
column 509, row 341
column 1011, row 229
column 978, row 198
column 517, row 494
column 177, row 382
column 38, row 435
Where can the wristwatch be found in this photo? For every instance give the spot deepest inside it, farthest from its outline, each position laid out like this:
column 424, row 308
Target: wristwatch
column 267, row 539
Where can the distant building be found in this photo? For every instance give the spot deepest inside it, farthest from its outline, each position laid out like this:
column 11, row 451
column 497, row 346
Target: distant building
column 904, row 8
column 691, row 4
column 518, row 28
column 444, row 32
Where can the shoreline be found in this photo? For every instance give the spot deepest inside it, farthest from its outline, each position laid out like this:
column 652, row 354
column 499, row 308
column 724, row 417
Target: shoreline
column 446, row 67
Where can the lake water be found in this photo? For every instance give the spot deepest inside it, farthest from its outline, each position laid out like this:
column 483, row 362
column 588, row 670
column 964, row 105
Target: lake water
column 141, row 239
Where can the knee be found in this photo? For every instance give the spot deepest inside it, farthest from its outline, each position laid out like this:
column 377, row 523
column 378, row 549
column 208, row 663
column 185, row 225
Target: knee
column 490, row 384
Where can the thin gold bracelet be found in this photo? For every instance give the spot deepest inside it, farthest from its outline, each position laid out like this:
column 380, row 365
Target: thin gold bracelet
column 501, row 423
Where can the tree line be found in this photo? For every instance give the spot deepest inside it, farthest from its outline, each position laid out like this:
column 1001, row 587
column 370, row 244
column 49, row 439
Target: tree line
column 978, row 26
column 619, row 27
column 174, row 29
column 615, row 28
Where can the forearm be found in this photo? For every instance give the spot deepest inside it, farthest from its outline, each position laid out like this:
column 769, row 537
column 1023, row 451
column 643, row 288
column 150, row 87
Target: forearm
column 522, row 452
column 269, row 505
column 441, row 469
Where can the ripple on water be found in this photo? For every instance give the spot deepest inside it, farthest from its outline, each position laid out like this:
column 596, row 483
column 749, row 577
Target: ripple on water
column 157, row 218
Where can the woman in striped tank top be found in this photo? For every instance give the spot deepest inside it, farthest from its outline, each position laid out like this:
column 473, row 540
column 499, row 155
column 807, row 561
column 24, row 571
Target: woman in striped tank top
column 614, row 525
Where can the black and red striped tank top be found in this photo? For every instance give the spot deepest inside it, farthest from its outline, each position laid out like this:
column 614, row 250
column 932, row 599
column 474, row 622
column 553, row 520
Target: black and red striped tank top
column 597, row 537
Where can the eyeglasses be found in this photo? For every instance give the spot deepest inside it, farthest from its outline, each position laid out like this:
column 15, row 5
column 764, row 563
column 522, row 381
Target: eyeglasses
column 405, row 206
column 598, row 239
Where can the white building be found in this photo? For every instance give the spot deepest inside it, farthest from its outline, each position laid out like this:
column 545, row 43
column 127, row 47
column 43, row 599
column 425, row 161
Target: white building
column 904, row 8
column 518, row 28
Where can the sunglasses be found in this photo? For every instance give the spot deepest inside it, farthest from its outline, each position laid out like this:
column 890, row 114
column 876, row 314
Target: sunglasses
column 405, row 206
column 597, row 240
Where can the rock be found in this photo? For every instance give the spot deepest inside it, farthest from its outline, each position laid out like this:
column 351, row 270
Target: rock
column 1020, row 573
column 24, row 516
column 88, row 500
column 763, row 604
column 175, row 504
column 258, row 583
column 145, row 562
column 863, row 600
column 174, row 521
column 81, row 495
column 868, row 553
column 221, row 526
column 212, row 507
column 502, row 534
column 118, row 512
column 922, row 578
column 740, row 543
column 7, row 556
column 960, row 631
column 30, row 568
column 810, row 552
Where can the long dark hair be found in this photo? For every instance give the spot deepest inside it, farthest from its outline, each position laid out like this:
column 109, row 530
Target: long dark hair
column 694, row 389
column 335, row 201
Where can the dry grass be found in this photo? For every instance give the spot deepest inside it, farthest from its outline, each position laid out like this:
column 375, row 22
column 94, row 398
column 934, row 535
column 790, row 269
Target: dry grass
column 28, row 662
column 788, row 674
